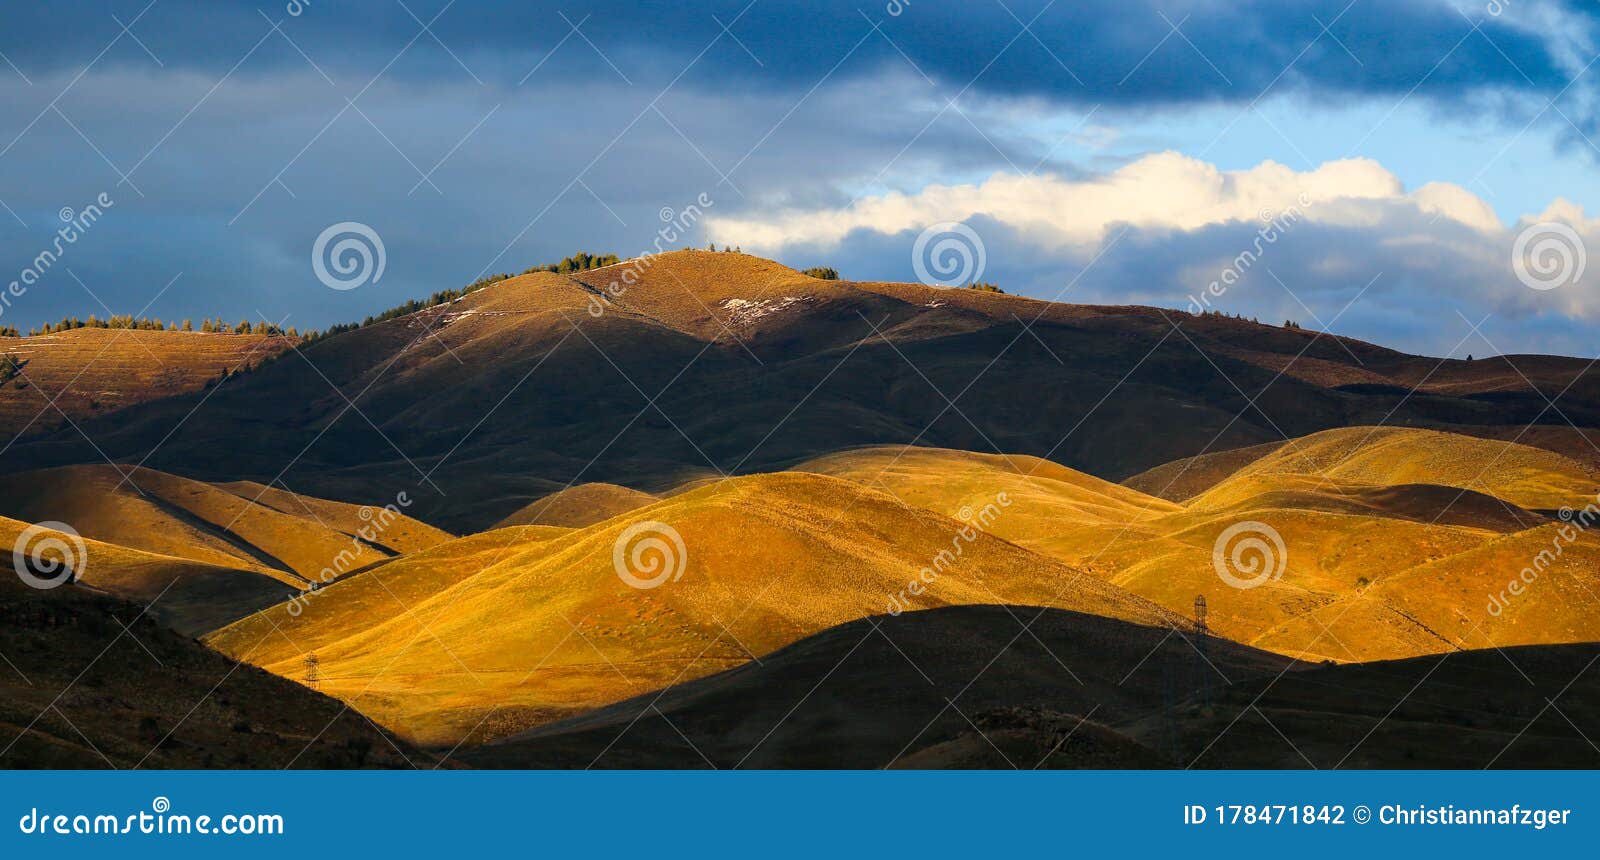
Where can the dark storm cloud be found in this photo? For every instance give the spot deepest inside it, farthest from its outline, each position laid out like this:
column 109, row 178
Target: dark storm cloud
column 1100, row 51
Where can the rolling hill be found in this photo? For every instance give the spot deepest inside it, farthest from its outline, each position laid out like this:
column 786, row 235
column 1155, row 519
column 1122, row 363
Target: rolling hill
column 764, row 561
column 189, row 596
column 292, row 538
column 579, row 506
column 1521, row 475
column 1371, row 565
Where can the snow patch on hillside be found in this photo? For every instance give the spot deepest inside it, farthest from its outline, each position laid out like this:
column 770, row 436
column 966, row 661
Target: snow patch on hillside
column 746, row 311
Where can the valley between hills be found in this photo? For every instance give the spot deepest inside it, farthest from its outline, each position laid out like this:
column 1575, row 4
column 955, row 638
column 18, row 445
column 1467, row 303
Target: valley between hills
column 736, row 516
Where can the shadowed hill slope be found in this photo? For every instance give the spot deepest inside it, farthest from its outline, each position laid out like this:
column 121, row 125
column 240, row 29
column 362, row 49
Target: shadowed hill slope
column 502, row 397
column 90, row 682
column 954, row 688
column 862, row 694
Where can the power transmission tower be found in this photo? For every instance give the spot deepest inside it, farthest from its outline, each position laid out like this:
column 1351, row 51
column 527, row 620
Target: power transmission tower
column 1202, row 635
column 313, row 677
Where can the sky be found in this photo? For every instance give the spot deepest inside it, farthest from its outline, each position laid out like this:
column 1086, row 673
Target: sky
column 1419, row 173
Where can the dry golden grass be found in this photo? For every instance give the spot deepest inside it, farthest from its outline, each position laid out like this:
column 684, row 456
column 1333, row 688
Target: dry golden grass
column 190, row 596
column 170, row 515
column 372, row 596
column 1395, row 539
column 399, row 535
column 514, row 633
column 1044, row 505
column 1528, row 477
column 92, row 371
column 1182, row 480
column 487, row 635
column 579, row 506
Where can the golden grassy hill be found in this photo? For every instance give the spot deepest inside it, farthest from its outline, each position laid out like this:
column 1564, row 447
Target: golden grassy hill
column 550, row 629
column 1528, row 477
column 1183, row 479
column 396, row 535
column 1354, row 530
column 93, row 371
column 191, row 597
column 373, row 596
column 161, row 513
column 579, row 506
column 1031, row 502
column 1465, row 600
column 1392, row 569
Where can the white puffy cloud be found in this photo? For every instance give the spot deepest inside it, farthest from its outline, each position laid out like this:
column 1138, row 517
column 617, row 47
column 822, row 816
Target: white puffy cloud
column 1163, row 191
